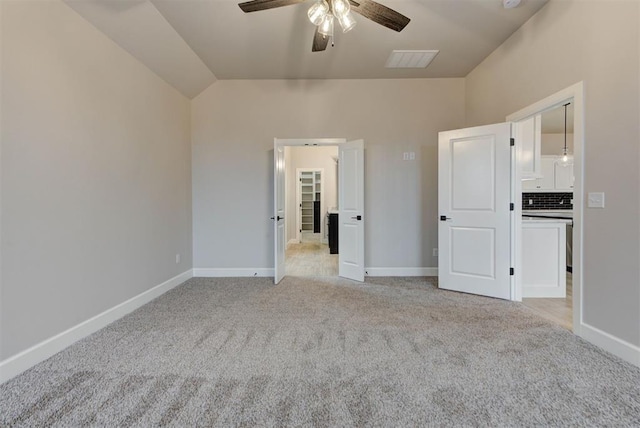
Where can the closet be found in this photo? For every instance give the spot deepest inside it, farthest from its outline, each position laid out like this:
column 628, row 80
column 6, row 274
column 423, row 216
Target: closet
column 310, row 182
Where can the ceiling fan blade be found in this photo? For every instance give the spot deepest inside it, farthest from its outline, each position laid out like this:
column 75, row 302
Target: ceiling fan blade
column 320, row 41
column 256, row 5
column 380, row 14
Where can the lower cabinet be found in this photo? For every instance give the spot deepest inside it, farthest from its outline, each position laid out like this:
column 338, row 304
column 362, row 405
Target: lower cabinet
column 544, row 258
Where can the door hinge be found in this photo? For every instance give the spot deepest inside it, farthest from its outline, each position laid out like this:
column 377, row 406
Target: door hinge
column 513, row 141
column 512, row 271
column 512, row 206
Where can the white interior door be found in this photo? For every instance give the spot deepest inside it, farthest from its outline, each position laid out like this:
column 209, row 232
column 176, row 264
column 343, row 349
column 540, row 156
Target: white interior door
column 474, row 197
column 351, row 210
column 279, row 207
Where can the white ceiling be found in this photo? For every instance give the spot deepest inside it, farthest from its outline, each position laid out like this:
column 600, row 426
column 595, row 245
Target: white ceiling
column 190, row 43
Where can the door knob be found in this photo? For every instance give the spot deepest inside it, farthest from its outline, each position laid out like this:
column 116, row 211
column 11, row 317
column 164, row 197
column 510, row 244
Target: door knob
column 279, row 218
column 444, row 218
column 358, row 217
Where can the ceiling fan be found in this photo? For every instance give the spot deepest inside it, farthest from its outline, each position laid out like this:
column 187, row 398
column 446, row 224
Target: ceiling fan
column 323, row 13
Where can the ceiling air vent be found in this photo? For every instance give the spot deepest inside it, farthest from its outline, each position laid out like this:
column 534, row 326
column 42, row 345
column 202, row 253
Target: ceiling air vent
column 410, row 59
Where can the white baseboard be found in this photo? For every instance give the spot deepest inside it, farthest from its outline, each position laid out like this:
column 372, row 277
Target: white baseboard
column 618, row 347
column 28, row 358
column 231, row 272
column 401, row 271
column 267, row 272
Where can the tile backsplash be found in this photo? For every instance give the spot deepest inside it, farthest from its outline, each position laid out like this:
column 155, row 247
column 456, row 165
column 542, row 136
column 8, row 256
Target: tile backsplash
column 547, row 201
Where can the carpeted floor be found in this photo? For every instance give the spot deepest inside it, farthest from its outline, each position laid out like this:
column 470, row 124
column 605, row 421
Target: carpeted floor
column 326, row 352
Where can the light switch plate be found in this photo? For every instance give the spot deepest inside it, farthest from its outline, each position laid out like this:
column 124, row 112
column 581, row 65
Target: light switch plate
column 595, row 200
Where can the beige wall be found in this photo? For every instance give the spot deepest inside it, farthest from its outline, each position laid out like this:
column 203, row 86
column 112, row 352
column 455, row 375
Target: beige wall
column 96, row 196
column 596, row 42
column 552, row 144
column 235, row 122
column 311, row 158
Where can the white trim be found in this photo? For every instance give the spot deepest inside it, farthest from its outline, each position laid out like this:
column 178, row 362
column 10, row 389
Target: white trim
column 28, row 358
column 401, row 271
column 308, row 141
column 232, row 272
column 618, row 347
column 516, row 218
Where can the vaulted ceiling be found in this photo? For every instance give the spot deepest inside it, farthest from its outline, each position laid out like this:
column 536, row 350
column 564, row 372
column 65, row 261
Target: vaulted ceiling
column 191, row 43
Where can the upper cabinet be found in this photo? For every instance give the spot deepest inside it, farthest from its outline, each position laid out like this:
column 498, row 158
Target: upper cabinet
column 555, row 177
column 563, row 176
column 528, row 134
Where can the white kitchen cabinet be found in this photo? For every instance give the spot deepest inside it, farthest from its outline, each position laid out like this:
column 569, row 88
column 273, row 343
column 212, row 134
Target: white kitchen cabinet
column 555, row 177
column 563, row 176
column 546, row 183
column 544, row 258
column 528, row 135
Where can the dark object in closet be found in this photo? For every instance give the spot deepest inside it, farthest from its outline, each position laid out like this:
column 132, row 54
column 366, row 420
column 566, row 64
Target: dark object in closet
column 316, row 216
column 333, row 233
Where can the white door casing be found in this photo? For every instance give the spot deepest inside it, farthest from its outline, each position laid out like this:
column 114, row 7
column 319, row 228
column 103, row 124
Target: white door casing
column 474, row 197
column 351, row 210
column 279, row 209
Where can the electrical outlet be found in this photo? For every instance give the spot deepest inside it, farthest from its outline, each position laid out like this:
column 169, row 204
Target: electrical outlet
column 177, row 258
column 412, row 155
column 405, row 156
column 435, row 252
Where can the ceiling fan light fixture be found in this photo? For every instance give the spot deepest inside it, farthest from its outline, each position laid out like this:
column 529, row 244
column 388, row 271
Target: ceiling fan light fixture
column 340, row 7
column 318, row 11
column 346, row 21
column 326, row 27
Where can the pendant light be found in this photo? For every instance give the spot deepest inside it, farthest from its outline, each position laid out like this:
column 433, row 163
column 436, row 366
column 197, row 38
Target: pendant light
column 566, row 159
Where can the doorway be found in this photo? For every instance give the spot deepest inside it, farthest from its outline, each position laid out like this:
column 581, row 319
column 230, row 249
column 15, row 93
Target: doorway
column 547, row 209
column 349, row 206
column 472, row 185
column 565, row 311
column 311, row 193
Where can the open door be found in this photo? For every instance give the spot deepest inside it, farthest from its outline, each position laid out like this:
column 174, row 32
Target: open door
column 474, row 202
column 278, row 207
column 351, row 214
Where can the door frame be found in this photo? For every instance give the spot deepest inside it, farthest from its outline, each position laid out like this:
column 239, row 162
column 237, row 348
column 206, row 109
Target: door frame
column 299, row 201
column 574, row 94
column 299, row 142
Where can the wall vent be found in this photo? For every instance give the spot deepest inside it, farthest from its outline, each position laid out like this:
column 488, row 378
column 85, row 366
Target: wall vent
column 410, row 59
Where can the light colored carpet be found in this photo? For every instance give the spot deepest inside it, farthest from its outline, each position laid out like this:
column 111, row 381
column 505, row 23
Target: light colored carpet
column 326, row 352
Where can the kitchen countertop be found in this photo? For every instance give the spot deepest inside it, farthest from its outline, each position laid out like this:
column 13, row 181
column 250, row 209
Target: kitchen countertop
column 527, row 219
column 565, row 214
